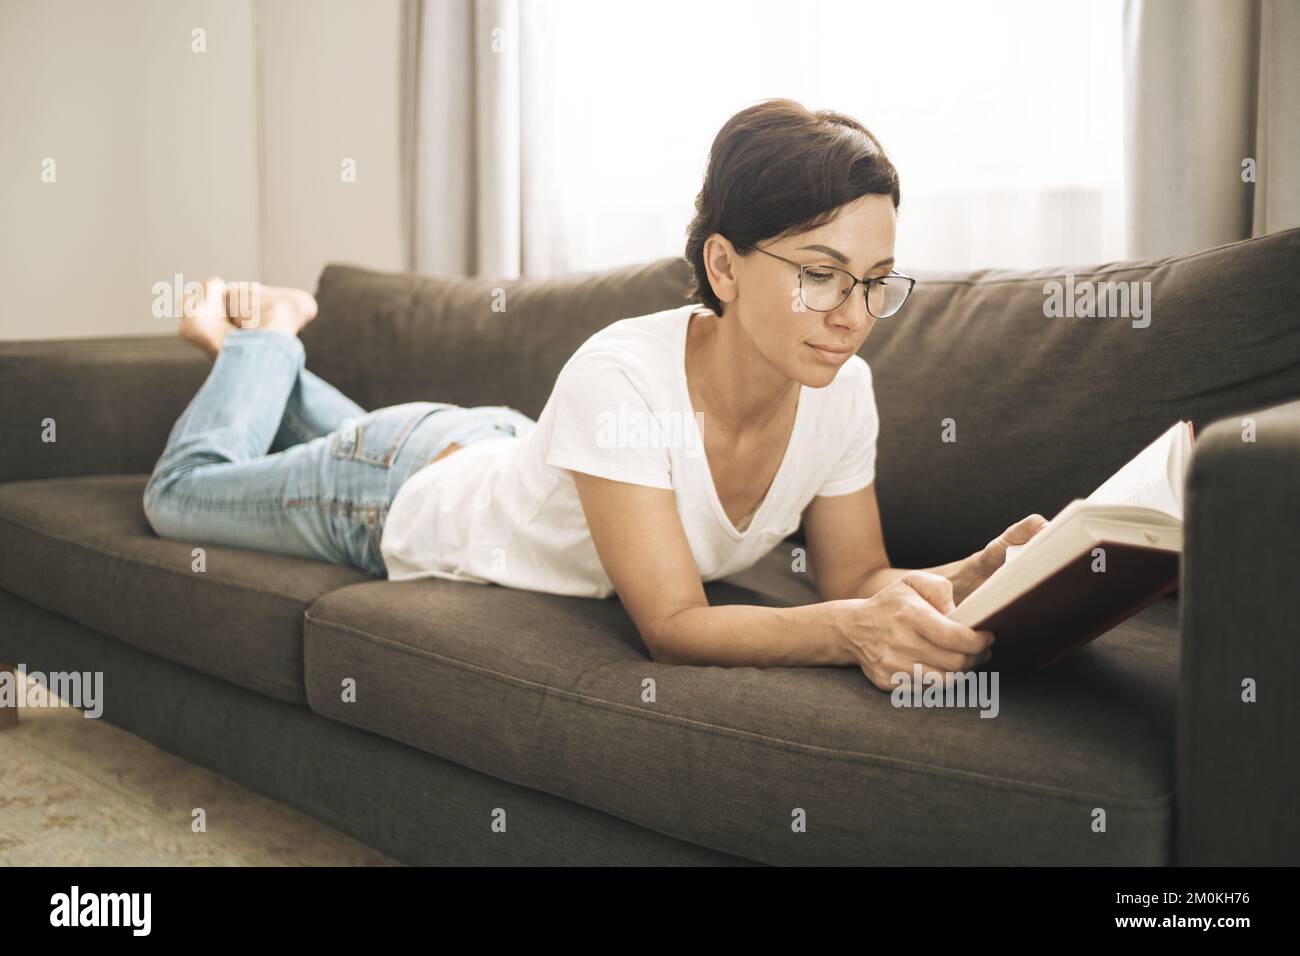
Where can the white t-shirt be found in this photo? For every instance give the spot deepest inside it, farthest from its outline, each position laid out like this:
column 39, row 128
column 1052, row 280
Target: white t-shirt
column 504, row 510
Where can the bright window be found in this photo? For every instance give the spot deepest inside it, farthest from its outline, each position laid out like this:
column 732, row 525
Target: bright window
column 1003, row 118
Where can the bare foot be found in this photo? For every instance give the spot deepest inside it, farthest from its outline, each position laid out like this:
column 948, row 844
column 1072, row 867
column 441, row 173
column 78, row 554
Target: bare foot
column 251, row 305
column 203, row 317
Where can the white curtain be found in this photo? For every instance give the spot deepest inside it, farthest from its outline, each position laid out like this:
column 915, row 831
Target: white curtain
column 572, row 134
column 468, row 170
column 1212, row 95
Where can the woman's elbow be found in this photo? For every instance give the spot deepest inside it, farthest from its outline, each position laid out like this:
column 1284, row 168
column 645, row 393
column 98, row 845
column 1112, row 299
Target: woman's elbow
column 663, row 638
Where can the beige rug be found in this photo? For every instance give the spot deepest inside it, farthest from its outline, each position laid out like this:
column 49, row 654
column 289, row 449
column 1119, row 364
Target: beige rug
column 79, row 792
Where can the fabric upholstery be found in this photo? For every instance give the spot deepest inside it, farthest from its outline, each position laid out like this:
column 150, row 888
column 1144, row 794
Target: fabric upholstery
column 1046, row 409
column 549, row 693
column 1238, row 773
column 411, row 805
column 112, row 402
column 81, row 547
column 386, row 338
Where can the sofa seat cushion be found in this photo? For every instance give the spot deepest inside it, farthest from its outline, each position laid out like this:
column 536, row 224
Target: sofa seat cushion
column 781, row 765
column 81, row 547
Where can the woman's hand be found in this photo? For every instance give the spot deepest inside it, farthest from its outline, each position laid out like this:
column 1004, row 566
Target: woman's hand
column 905, row 624
column 973, row 571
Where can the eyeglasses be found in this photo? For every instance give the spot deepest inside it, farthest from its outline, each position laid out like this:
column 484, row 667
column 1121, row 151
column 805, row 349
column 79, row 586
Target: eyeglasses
column 826, row 288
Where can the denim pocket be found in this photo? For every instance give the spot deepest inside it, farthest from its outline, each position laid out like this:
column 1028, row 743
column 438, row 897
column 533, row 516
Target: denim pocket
column 376, row 437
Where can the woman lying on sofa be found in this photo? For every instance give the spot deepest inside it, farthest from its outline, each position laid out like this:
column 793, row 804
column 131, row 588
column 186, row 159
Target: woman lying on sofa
column 676, row 448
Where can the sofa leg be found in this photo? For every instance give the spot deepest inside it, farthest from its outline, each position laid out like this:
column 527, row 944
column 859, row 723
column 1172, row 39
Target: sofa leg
column 9, row 715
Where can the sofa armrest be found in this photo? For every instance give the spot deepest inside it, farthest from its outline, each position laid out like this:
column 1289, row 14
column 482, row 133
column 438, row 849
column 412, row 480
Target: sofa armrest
column 113, row 402
column 1238, row 772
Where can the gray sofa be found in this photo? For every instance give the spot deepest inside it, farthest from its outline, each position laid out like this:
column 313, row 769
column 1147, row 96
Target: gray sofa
column 473, row 700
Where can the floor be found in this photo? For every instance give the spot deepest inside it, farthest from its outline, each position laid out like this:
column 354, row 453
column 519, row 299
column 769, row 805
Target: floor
column 82, row 792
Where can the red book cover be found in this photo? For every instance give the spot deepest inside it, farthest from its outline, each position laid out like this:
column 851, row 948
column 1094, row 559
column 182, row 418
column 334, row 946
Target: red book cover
column 1076, row 605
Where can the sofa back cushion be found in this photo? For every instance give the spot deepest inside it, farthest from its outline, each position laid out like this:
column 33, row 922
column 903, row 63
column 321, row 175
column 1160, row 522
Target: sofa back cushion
column 1046, row 408
column 1038, row 410
column 386, row 338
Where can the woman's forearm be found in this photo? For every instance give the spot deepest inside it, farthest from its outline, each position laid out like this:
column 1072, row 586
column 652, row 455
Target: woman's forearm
column 745, row 635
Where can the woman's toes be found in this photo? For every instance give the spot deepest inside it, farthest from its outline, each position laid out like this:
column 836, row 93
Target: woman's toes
column 244, row 302
column 269, row 307
column 203, row 316
column 214, row 296
column 203, row 302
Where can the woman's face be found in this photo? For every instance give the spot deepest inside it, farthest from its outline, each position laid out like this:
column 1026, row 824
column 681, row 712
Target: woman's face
column 806, row 345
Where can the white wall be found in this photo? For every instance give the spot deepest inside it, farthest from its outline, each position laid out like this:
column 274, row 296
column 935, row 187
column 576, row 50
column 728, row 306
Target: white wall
column 330, row 91
column 159, row 164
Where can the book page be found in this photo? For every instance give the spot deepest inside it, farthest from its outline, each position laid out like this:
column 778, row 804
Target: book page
column 1154, row 477
column 1151, row 479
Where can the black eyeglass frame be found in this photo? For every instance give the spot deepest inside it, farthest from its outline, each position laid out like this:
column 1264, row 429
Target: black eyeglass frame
column 866, row 283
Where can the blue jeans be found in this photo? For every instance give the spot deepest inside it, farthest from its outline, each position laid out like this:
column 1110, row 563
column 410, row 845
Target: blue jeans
column 269, row 456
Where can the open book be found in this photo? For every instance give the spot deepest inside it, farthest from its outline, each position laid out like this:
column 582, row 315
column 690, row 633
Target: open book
column 1099, row 561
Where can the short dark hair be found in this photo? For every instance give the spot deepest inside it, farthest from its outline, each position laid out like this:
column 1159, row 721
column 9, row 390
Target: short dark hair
column 777, row 168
